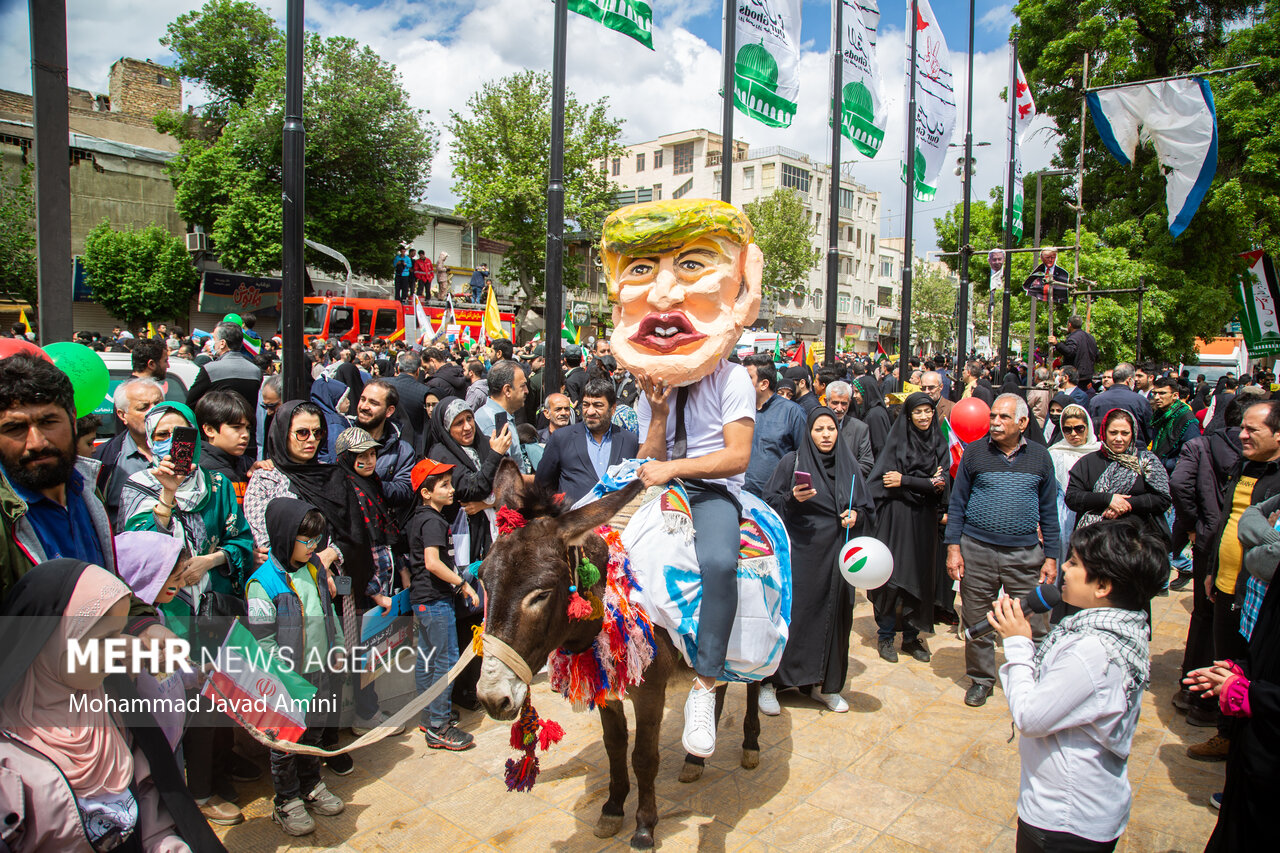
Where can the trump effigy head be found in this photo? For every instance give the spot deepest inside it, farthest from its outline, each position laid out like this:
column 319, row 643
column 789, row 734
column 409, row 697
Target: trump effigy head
column 684, row 277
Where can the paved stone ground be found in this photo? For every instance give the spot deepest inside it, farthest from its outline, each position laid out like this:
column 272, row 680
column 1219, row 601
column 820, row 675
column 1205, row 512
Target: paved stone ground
column 909, row 768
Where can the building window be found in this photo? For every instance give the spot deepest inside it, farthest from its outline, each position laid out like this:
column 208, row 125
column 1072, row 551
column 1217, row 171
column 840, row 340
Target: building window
column 843, row 303
column 617, row 166
column 873, row 211
column 818, row 194
column 657, row 159
column 716, row 182
column 873, row 244
column 884, row 297
column 682, row 159
column 749, row 178
column 859, row 243
column 683, row 190
column 640, row 162
column 817, row 222
column 857, row 304
column 886, row 268
column 815, row 298
column 795, row 177
column 846, row 198
column 848, row 234
column 767, row 176
column 657, row 192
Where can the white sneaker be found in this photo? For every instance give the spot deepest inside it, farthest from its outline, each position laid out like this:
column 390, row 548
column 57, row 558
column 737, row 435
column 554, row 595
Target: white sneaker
column 769, row 700
column 834, row 701
column 700, row 721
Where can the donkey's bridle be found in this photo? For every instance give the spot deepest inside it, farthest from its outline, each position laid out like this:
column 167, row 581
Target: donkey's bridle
column 494, row 647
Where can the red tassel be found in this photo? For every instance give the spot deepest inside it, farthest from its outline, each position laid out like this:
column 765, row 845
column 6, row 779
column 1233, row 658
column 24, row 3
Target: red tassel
column 521, row 773
column 551, row 733
column 579, row 607
column 508, row 520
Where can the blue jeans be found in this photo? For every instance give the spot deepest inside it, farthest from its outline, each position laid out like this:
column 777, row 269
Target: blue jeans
column 366, row 698
column 1181, row 562
column 477, row 294
column 717, row 542
column 437, row 653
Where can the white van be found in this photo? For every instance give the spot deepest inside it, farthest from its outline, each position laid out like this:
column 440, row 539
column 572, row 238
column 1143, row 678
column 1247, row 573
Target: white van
column 1217, row 358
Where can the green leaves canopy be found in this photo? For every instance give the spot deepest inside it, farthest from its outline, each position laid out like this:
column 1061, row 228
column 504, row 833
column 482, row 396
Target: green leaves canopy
column 501, row 155
column 139, row 275
column 784, row 237
column 368, row 152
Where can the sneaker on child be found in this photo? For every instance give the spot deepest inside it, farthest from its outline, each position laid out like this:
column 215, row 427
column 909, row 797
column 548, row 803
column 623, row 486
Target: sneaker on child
column 293, row 818
column 449, row 737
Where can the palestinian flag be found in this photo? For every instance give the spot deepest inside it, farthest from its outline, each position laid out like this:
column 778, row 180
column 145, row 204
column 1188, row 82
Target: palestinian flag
column 256, row 689
column 799, row 357
column 954, row 446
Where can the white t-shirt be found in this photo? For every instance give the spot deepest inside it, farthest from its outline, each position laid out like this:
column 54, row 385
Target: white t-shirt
column 724, row 396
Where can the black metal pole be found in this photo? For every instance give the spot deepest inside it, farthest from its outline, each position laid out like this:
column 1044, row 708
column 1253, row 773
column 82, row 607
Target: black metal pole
column 833, row 228
column 555, row 208
column 293, row 266
column 904, row 335
column 965, row 250
column 1008, row 213
column 1142, row 288
column 726, row 115
column 53, row 168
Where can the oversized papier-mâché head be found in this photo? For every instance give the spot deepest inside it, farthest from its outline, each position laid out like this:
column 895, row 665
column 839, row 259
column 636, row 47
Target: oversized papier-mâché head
column 684, row 278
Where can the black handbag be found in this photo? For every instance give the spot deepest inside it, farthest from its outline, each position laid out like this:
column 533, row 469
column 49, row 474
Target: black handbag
column 216, row 613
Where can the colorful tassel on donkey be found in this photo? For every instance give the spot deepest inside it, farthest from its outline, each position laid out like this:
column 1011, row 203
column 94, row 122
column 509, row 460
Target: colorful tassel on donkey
column 529, row 733
column 579, row 607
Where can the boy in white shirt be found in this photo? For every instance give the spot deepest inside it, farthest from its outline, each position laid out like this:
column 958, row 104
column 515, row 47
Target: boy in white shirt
column 1076, row 699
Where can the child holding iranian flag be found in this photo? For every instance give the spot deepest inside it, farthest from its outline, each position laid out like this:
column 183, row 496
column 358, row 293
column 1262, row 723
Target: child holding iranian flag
column 292, row 616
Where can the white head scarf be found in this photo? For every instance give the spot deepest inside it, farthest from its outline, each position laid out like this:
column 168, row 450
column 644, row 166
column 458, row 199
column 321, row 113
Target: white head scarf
column 1063, row 454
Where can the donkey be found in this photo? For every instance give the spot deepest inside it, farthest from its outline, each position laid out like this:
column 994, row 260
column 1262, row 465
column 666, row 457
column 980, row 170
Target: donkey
column 526, row 576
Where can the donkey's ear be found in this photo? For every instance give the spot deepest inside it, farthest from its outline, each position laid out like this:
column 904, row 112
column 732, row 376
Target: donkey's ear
column 575, row 526
column 508, row 485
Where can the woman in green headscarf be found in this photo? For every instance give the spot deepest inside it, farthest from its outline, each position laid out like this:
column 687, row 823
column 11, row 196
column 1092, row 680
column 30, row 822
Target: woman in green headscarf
column 201, row 507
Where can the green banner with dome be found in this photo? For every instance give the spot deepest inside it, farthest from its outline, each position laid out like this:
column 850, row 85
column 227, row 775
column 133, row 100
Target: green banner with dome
column 862, row 112
column 632, row 18
column 766, row 69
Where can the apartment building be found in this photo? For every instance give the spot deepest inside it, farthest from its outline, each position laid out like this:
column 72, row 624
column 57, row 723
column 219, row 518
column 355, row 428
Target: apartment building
column 689, row 164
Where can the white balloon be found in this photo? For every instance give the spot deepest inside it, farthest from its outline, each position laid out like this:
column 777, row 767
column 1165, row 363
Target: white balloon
column 865, row 562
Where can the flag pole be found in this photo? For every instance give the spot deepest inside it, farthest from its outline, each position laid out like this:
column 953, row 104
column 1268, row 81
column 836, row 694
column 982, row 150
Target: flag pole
column 904, row 335
column 1008, row 211
column 1084, row 87
column 726, row 115
column 293, row 269
column 833, row 225
column 554, row 311
column 966, row 251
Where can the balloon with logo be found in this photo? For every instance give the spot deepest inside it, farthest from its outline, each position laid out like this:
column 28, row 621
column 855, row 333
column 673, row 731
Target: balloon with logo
column 86, row 370
column 18, row 346
column 970, row 419
column 865, row 562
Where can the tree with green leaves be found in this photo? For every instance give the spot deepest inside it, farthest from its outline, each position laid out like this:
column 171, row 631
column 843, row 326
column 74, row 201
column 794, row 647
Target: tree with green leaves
column 139, row 275
column 501, row 160
column 785, row 238
column 933, row 307
column 1125, row 207
column 17, row 235
column 368, row 152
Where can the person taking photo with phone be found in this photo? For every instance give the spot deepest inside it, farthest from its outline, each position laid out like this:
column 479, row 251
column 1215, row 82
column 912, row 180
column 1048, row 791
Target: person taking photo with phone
column 822, row 498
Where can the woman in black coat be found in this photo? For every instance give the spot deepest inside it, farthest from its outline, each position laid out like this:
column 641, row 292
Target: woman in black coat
column 475, row 459
column 909, row 484
column 1119, row 479
column 871, row 410
column 819, row 519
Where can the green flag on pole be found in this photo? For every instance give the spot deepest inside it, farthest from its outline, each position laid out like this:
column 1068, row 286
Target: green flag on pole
column 632, row 18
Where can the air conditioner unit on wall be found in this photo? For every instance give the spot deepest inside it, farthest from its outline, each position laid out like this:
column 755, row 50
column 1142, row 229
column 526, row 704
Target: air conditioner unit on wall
column 197, row 242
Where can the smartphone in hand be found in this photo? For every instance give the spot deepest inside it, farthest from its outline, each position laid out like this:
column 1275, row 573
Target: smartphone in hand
column 804, row 479
column 183, row 450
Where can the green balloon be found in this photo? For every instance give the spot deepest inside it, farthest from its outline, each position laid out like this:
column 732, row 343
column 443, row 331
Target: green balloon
column 234, row 318
column 88, row 374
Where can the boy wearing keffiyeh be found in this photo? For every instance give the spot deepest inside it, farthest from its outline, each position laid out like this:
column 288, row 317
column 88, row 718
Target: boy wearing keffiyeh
column 1076, row 699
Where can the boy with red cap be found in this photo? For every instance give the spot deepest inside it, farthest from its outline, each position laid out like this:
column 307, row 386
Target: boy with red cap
column 433, row 583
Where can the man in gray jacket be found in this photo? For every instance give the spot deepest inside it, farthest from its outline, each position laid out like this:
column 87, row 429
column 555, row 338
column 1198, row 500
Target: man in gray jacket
column 856, row 434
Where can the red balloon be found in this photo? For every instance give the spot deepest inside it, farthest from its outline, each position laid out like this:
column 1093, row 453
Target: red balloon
column 970, row 419
column 18, row 346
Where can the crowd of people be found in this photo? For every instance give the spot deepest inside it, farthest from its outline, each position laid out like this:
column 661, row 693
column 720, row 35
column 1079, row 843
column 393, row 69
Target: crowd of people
column 304, row 514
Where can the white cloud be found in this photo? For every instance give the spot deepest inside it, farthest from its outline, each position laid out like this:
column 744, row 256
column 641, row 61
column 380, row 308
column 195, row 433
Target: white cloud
column 998, row 19
column 446, row 49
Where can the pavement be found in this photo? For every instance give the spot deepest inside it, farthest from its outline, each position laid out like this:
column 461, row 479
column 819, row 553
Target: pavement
column 909, row 768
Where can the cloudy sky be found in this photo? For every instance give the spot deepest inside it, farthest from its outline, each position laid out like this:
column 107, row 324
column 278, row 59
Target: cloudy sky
column 446, row 49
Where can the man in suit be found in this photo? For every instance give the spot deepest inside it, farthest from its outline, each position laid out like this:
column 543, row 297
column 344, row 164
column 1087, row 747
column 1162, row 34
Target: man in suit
column 579, row 454
column 857, row 435
column 1122, row 396
column 931, row 383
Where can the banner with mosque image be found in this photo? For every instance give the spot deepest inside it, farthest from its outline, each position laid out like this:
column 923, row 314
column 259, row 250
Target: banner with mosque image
column 766, row 69
column 862, row 111
column 632, row 18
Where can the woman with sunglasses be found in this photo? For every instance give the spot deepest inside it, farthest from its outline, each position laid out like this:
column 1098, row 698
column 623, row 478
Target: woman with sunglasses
column 1077, row 441
column 1119, row 480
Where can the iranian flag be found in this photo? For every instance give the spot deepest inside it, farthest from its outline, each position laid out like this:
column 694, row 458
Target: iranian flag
column 954, row 446
column 251, row 686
